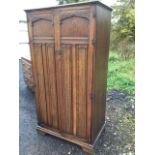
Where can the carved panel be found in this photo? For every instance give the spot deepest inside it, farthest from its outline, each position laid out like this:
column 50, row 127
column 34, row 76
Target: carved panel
column 42, row 27
column 74, row 26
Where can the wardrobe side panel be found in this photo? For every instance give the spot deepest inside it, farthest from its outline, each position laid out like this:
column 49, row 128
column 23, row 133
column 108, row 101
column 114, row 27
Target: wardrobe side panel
column 103, row 17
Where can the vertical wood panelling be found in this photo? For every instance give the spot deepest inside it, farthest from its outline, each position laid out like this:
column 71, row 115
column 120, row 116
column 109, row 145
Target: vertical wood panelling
column 77, row 89
column 67, row 99
column 74, row 89
column 40, row 82
column 34, row 67
column 82, row 102
column 46, row 82
column 58, row 59
column 53, row 112
column 59, row 90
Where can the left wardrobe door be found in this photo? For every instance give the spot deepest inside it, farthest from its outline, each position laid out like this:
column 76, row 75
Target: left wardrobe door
column 41, row 36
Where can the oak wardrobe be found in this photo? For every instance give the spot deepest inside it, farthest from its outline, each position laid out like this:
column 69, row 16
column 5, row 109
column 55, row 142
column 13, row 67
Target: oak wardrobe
column 69, row 47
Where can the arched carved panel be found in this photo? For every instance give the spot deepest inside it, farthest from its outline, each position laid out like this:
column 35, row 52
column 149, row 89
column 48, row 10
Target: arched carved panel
column 42, row 27
column 74, row 15
column 74, row 26
column 40, row 18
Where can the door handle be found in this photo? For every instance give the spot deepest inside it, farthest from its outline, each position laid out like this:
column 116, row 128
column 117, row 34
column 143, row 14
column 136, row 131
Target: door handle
column 58, row 51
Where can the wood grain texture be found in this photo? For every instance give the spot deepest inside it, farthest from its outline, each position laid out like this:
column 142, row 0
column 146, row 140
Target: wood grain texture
column 29, row 26
column 46, row 83
column 69, row 50
column 67, row 98
column 82, row 102
column 40, row 83
column 85, row 146
column 74, row 89
column 58, row 63
column 53, row 106
column 90, row 75
column 100, row 68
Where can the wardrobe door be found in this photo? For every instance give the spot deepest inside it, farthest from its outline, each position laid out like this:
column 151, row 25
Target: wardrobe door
column 74, row 70
column 41, row 30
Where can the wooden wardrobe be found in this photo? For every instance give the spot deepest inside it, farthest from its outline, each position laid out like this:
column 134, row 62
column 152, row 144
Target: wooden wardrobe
column 69, row 49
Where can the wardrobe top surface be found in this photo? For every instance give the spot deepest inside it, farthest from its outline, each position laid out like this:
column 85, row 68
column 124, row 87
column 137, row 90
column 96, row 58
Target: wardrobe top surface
column 70, row 5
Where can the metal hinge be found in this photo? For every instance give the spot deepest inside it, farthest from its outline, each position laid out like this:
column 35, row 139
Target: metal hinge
column 94, row 42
